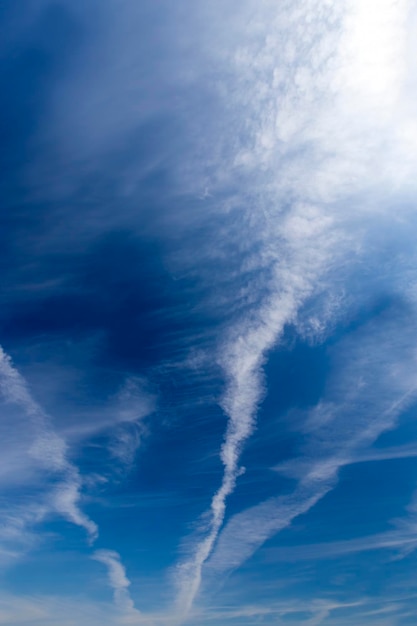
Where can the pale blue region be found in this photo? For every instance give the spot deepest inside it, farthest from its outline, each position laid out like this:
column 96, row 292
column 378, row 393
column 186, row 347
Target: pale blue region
column 208, row 303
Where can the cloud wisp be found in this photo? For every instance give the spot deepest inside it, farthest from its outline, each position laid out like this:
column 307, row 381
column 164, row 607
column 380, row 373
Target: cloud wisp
column 264, row 153
column 49, row 452
column 310, row 142
column 390, row 540
column 242, row 360
column 374, row 382
column 401, row 540
column 119, row 583
column 405, row 451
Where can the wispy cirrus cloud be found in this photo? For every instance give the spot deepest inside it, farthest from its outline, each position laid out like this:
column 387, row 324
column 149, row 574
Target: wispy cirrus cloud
column 63, row 496
column 48, row 450
column 307, row 113
column 404, row 451
column 400, row 541
column 120, row 584
column 365, row 397
column 242, row 361
column 390, row 540
column 49, row 610
column 132, row 403
column 313, row 142
column 306, row 612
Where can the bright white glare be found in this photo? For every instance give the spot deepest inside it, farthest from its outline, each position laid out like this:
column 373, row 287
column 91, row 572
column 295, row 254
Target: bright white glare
column 374, row 49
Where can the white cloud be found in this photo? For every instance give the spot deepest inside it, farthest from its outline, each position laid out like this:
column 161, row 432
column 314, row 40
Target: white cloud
column 39, row 610
column 317, row 89
column 393, row 540
column 65, row 500
column 14, row 388
column 316, row 132
column 374, row 380
column 49, row 452
column 131, row 405
column 367, row 455
column 48, row 449
column 316, row 610
column 305, row 240
column 119, row 583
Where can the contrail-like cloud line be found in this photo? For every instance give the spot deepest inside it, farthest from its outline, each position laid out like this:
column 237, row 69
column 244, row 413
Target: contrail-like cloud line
column 49, row 450
column 242, row 363
column 356, row 415
column 118, row 581
column 306, row 241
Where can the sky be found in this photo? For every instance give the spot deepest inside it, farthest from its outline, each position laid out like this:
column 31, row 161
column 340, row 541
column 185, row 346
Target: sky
column 208, row 298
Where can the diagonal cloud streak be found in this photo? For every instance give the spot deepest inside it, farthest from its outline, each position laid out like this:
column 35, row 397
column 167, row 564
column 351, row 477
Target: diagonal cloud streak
column 48, row 449
column 119, row 583
column 242, row 362
column 311, row 140
column 49, row 452
column 365, row 398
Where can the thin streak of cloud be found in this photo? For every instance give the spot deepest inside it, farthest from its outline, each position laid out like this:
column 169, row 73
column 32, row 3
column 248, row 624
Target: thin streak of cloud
column 66, row 501
column 365, row 398
column 391, row 540
column 119, row 583
column 122, row 417
column 242, row 360
column 48, row 449
column 42, row 610
column 391, row 453
column 318, row 610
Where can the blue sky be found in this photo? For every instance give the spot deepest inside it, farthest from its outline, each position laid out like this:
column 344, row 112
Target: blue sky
column 208, row 366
